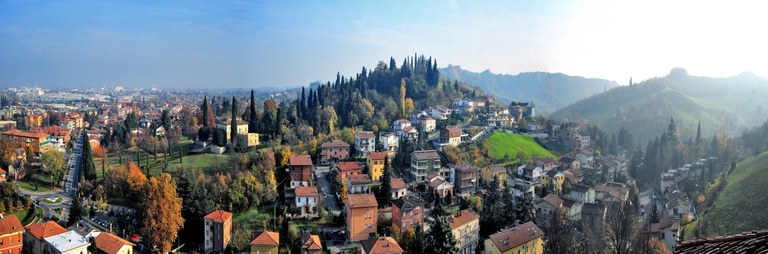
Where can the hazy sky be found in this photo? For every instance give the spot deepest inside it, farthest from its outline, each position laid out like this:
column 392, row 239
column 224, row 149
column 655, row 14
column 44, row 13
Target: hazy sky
column 291, row 43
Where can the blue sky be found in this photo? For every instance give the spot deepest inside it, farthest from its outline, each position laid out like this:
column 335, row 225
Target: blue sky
column 206, row 44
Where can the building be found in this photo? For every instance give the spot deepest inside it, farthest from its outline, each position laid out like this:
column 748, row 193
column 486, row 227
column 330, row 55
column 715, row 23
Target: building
column 306, row 200
column 312, row 245
column 554, row 180
column 450, row 135
column 218, row 229
column 11, row 234
column 266, row 242
column 525, row 238
column 362, row 216
column 465, row 178
column 334, row 151
column 389, row 141
column 438, row 185
column 245, row 140
column 37, row 142
column 226, row 125
column 112, row 244
column 423, row 163
column 380, row 245
column 407, row 212
column 7, row 125
column 581, row 193
column 375, row 162
column 427, row 123
column 498, row 171
column 365, row 142
column 530, row 172
column 70, row 242
column 400, row 124
column 545, row 208
column 300, row 170
column 36, row 234
column 666, row 231
column 399, row 188
column 358, row 184
column 465, row 226
column 745, row 242
column 346, row 169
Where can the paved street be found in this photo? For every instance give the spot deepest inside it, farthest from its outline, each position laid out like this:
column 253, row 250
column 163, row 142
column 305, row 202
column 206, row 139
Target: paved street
column 326, row 187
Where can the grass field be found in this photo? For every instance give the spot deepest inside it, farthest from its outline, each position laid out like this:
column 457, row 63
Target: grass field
column 43, row 183
column 507, row 145
column 735, row 209
column 209, row 163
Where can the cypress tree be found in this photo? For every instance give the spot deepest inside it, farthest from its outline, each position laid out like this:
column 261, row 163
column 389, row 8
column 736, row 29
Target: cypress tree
column 698, row 134
column 87, row 167
column 233, row 125
column 253, row 119
column 385, row 195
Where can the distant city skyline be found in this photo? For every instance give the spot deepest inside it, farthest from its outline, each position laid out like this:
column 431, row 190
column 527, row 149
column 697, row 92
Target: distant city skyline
column 241, row 44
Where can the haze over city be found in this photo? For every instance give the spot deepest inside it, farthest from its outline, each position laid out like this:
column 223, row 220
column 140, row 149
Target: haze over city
column 197, row 44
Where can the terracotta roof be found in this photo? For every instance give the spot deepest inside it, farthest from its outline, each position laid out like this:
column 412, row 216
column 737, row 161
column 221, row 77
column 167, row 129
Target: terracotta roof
column 348, row 166
column 408, row 202
column 377, row 155
column 25, row 134
column 306, row 191
column 220, row 216
column 361, row 200
column 360, row 179
column 334, row 143
column 300, row 160
column 381, row 245
column 2, row 171
column 497, row 168
column 365, row 134
column 462, row 218
column 747, row 242
column 312, row 243
column 398, row 183
column 45, row 229
column 516, row 236
column 553, row 200
column 665, row 222
column 110, row 243
column 453, row 129
column 10, row 224
column 580, row 188
column 266, row 238
column 408, row 128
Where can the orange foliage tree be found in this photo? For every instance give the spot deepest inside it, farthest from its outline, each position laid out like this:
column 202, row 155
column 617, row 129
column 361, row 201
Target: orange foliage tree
column 136, row 179
column 162, row 213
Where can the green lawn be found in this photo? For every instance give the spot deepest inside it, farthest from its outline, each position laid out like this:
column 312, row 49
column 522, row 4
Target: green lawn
column 43, row 183
column 209, row 163
column 25, row 216
column 251, row 220
column 506, row 145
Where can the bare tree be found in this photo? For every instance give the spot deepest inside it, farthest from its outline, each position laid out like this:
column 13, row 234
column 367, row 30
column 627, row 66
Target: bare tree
column 620, row 228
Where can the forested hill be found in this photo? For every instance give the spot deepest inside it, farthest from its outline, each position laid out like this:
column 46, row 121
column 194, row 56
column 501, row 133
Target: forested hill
column 720, row 104
column 548, row 91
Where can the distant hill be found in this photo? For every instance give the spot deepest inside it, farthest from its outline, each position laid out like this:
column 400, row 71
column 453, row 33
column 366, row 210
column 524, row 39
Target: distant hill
column 548, row 91
column 736, row 209
column 720, row 104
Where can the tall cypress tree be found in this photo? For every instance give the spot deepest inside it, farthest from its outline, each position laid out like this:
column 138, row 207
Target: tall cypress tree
column 253, row 119
column 385, row 195
column 698, row 134
column 233, row 125
column 87, row 167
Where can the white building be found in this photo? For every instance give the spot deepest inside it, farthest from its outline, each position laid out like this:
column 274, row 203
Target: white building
column 365, row 142
column 70, row 242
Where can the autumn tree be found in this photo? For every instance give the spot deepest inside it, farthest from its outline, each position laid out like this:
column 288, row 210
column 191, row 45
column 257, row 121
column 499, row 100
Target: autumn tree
column 162, row 213
column 53, row 162
column 402, row 97
column 135, row 178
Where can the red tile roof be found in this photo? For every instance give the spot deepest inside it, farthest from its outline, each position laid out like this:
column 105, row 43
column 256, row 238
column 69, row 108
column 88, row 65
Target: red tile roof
column 45, row 229
column 220, row 216
column 361, row 200
column 462, row 218
column 313, row 243
column 747, row 242
column 10, row 224
column 300, row 160
column 516, row 236
column 553, row 200
column 348, row 166
column 306, row 191
column 377, row 155
column 398, row 183
column 26, row 134
column 381, row 245
column 110, row 243
column 266, row 238
column 360, row 179
column 366, row 134
column 334, row 143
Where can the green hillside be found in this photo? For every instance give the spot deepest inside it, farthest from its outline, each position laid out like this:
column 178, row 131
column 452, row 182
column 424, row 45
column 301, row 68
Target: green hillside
column 742, row 204
column 730, row 104
column 506, row 146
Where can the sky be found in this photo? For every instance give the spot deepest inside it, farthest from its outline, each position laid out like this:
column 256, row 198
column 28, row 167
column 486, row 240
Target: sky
column 247, row 44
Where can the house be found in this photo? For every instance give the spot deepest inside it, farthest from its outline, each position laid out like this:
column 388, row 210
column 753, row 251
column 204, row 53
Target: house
column 334, row 151
column 666, row 231
column 312, row 245
column 399, row 189
column 529, row 172
column 36, row 234
column 111, row 244
column 572, row 209
column 11, row 234
column 465, row 227
column 217, row 231
column 245, row 140
column 7, row 125
column 593, row 215
column 498, row 171
column 545, row 208
column 362, row 216
column 581, row 193
column 585, row 156
column 569, row 163
column 611, row 192
column 70, row 242
column 226, row 125
column 306, row 200
column 450, row 135
column 375, row 162
column 465, row 179
column 678, row 204
column 409, row 133
column 407, row 212
column 265, row 242
column 524, row 238
column 400, row 124
column 160, row 131
column 380, row 245
column 389, row 141
column 423, row 163
column 300, row 170
column 427, row 124
column 438, row 185
column 554, row 180
column 346, row 169
column 365, row 142
column 439, row 112
column 357, row 184
column 37, row 142
column 546, row 163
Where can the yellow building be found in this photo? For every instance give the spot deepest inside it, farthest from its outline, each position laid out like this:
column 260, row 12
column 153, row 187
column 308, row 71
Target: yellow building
column 266, row 242
column 247, row 139
column 525, row 238
column 554, row 180
column 35, row 120
column 375, row 162
column 465, row 227
column 242, row 127
column 112, row 244
column 487, row 173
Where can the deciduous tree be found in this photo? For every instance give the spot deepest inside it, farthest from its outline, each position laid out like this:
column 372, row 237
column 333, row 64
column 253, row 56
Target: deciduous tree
column 162, row 213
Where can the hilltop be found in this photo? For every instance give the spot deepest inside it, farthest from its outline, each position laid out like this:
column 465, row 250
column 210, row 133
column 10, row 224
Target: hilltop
column 548, row 91
column 731, row 104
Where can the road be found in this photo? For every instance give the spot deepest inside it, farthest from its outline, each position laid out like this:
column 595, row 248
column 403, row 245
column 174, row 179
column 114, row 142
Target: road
column 326, row 186
column 645, row 198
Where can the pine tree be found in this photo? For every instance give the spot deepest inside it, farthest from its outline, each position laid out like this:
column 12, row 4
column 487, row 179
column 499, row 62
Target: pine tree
column 654, row 213
column 441, row 239
column 233, row 125
column 385, row 195
column 698, row 134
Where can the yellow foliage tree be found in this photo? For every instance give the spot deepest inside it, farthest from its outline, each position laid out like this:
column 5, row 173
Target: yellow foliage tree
column 285, row 155
column 162, row 213
column 402, row 95
column 136, row 179
column 343, row 189
column 409, row 107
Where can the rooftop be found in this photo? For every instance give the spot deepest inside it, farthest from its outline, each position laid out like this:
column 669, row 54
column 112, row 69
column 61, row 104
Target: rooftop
column 45, row 229
column 747, row 242
column 348, row 166
column 462, row 218
column 10, row 224
column 381, row 245
column 306, row 191
column 408, row 202
column 366, row 134
column 426, row 155
column 67, row 241
column 516, row 236
column 266, row 238
column 377, row 155
column 334, row 143
column 360, row 179
column 110, row 243
column 398, row 183
column 220, row 216
column 300, row 160
column 312, row 243
column 361, row 200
